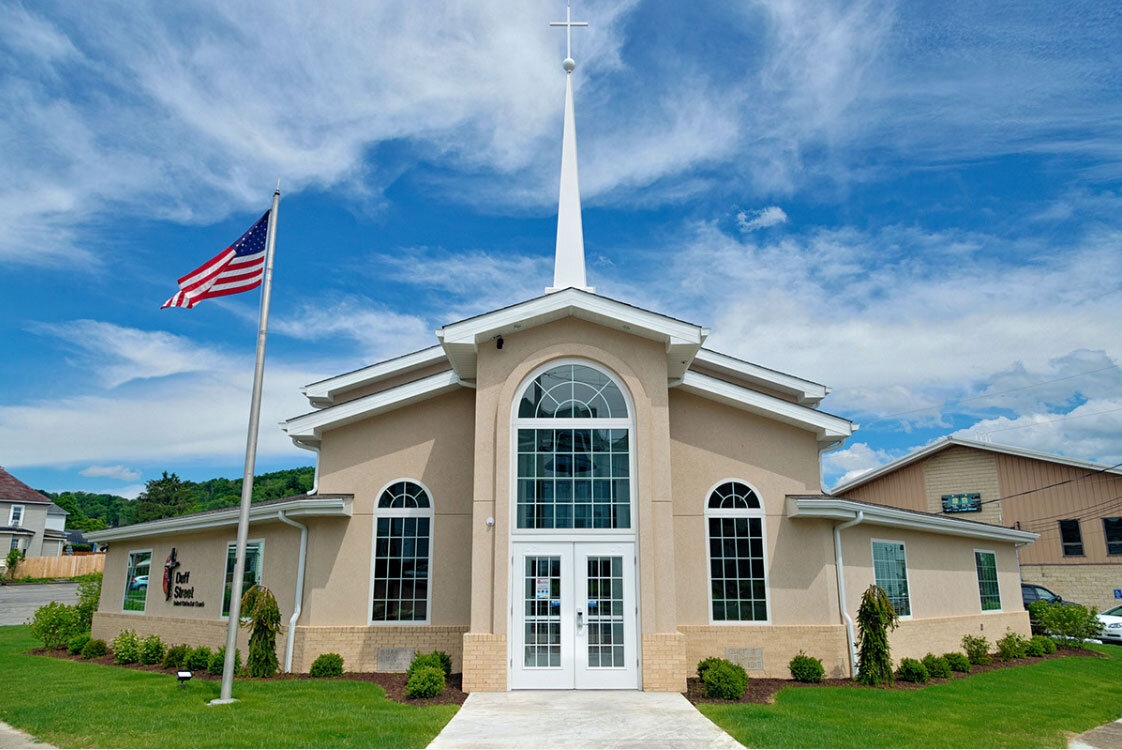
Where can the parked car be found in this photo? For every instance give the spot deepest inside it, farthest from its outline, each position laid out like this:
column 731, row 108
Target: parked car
column 1031, row 592
column 138, row 582
column 1112, row 625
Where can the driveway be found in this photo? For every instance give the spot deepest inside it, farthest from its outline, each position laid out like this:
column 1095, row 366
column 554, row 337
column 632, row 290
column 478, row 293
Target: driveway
column 18, row 602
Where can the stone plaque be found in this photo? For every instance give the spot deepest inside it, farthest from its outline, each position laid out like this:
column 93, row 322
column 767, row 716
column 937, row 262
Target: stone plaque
column 395, row 659
column 749, row 658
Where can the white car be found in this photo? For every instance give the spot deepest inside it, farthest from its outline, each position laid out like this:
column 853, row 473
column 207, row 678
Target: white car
column 1112, row 625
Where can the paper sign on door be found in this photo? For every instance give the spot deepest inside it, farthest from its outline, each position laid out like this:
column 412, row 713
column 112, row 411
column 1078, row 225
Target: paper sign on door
column 542, row 588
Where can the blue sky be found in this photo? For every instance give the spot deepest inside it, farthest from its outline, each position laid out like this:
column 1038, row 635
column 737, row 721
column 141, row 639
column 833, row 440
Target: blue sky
column 917, row 204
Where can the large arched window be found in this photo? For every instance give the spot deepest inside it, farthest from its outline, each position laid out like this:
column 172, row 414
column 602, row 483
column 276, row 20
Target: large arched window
column 402, row 553
column 574, row 451
column 735, row 529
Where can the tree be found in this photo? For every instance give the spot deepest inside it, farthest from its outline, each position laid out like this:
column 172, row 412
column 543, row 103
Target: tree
column 262, row 616
column 875, row 617
column 162, row 498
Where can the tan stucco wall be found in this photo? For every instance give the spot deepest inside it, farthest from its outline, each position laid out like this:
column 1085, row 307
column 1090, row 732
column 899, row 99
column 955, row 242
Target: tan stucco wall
column 1091, row 585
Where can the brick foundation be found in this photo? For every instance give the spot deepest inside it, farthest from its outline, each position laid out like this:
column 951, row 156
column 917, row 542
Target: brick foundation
column 938, row 635
column 485, row 662
column 664, row 662
column 777, row 643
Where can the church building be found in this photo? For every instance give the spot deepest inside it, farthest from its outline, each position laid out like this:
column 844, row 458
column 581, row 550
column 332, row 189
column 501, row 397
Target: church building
column 569, row 492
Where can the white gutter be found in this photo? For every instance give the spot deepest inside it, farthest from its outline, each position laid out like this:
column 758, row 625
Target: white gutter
column 296, row 607
column 850, row 640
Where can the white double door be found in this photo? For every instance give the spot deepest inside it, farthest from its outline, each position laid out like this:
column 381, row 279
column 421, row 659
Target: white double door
column 573, row 616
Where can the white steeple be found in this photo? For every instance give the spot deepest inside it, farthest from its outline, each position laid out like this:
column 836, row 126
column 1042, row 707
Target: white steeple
column 568, row 264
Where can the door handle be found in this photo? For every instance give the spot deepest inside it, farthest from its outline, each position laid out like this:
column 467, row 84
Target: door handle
column 580, row 618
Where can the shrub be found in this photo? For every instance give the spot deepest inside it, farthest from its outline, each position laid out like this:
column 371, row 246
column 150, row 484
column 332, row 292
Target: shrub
column 425, row 682
column 1011, row 646
column 937, row 666
column 875, row 617
column 725, row 680
column 912, row 670
column 1035, row 646
column 151, row 649
column 1069, row 622
column 176, row 656
column 806, row 668
column 55, row 624
column 89, row 595
column 1049, row 645
column 126, row 647
column 704, row 665
column 77, row 643
column 94, row 649
column 977, row 649
column 198, row 660
column 445, row 662
column 264, row 621
column 15, row 557
column 218, row 661
column 327, row 665
column 958, row 661
column 435, row 659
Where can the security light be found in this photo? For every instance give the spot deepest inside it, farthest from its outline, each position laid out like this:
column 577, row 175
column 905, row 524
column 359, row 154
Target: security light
column 183, row 676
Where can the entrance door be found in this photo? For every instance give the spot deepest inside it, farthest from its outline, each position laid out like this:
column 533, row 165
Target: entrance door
column 574, row 616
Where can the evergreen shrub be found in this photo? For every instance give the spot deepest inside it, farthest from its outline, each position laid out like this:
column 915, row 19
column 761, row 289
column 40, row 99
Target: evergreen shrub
column 806, row 668
column 77, row 643
column 704, row 665
column 875, row 617
column 912, row 670
column 977, row 649
column 218, row 661
column 198, row 660
column 327, row 665
column 94, row 649
column 264, row 621
column 151, row 649
column 425, row 682
column 176, row 656
column 89, row 595
column 725, row 680
column 126, row 647
column 1011, row 646
column 55, row 624
column 435, row 659
column 937, row 666
column 958, row 661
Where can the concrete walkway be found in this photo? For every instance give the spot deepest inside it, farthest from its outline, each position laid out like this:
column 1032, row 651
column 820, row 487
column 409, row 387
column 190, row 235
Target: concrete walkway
column 1106, row 736
column 10, row 737
column 580, row 719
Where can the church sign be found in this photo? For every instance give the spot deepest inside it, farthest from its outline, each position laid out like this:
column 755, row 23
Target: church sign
column 176, row 584
column 966, row 502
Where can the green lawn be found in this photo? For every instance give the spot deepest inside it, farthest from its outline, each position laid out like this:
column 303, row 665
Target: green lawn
column 1032, row 706
column 72, row 704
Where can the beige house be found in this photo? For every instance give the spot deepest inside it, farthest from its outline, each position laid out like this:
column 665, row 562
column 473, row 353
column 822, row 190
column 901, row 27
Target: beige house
column 29, row 521
column 570, row 492
column 1073, row 505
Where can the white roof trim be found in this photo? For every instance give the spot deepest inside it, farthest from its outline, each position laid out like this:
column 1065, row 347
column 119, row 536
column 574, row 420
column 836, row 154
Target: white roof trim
column 323, row 392
column 461, row 340
column 826, row 426
column 948, row 441
column 807, row 392
column 840, row 509
column 305, row 430
column 319, row 506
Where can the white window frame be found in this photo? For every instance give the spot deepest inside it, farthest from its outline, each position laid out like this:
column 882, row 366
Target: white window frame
column 147, row 588
column 429, row 513
column 12, row 520
column 1000, row 605
column 760, row 513
column 222, row 585
column 907, row 571
column 614, row 423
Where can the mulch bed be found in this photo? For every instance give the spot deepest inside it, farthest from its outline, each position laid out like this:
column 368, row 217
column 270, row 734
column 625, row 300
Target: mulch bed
column 762, row 690
column 392, row 682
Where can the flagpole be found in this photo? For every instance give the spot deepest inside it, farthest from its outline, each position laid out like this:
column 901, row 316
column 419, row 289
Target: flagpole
column 250, row 458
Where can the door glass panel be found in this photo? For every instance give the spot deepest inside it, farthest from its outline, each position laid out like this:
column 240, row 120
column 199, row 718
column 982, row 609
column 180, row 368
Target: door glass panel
column 542, row 609
column 605, row 612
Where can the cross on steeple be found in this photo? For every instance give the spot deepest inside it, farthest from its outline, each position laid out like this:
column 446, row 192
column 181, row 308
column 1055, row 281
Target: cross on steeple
column 569, row 23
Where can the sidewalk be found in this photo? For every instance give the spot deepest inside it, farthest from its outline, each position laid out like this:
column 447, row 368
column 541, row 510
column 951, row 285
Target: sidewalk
column 10, row 737
column 1106, row 736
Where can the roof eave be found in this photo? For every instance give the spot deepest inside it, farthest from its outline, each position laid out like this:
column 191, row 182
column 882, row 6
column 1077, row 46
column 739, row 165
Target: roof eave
column 805, row 392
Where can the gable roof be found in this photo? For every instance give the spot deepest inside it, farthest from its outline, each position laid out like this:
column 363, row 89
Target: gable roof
column 322, row 393
column 13, row 490
column 948, row 441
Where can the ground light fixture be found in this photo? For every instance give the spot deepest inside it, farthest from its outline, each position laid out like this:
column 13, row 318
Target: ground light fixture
column 182, row 675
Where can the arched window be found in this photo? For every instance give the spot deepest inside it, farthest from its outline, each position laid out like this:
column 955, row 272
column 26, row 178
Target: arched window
column 737, row 577
column 574, row 451
column 402, row 554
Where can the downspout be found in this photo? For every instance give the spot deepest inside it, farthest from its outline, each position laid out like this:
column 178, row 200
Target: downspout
column 850, row 640
column 299, row 583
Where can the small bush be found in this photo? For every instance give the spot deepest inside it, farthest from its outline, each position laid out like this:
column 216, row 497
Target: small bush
column 327, row 665
column 1067, row 622
column 725, row 680
column 126, row 648
column 425, row 682
column 1049, row 645
column 429, row 660
column 806, row 668
column 89, row 595
column 958, row 661
column 1011, row 646
column 77, row 643
column 1035, row 646
column 704, row 665
column 912, row 670
column 218, row 661
column 55, row 624
column 176, row 656
column 445, row 662
column 937, row 666
column 94, row 649
column 198, row 660
column 977, row 649
column 151, row 649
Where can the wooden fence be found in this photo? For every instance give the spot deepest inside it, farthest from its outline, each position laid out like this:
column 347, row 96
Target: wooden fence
column 61, row 567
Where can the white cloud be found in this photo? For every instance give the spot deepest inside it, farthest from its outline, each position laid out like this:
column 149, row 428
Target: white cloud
column 851, row 462
column 378, row 331
column 118, row 471
column 750, row 221
column 129, row 492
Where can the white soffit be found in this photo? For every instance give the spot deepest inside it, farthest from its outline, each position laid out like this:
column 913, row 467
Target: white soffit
column 461, row 340
column 828, row 427
column 840, row 509
column 323, row 392
column 807, row 392
column 305, row 430
column 304, row 507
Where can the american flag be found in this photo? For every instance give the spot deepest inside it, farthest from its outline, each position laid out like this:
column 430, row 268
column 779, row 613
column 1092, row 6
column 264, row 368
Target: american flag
column 238, row 268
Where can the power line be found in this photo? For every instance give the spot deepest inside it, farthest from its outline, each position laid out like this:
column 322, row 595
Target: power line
column 1050, row 486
